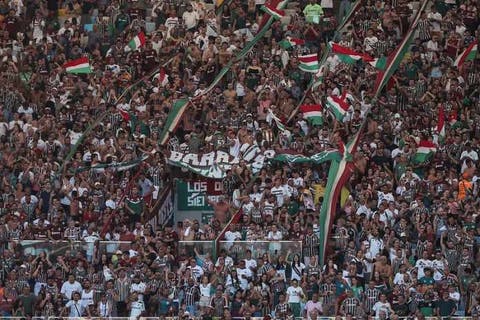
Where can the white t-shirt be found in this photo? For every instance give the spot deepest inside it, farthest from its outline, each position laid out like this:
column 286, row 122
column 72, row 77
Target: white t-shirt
column 472, row 155
column 294, row 294
column 139, row 288
column 370, row 43
column 399, row 278
column 421, row 265
column 279, row 193
column 137, row 307
column 242, row 275
column 190, row 19
column 438, row 267
column 376, row 245
column 274, row 235
column 87, row 298
column 297, row 271
column 251, row 264
column 380, row 306
column 68, row 288
column 76, row 308
column 205, row 290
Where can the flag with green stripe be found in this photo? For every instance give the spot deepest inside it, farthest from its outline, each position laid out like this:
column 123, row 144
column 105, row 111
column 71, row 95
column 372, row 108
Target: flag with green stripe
column 396, row 57
column 78, row 66
column 173, row 119
column 309, row 63
column 379, row 63
column 347, row 55
column 338, row 106
column 313, row 113
column 338, row 175
column 290, row 42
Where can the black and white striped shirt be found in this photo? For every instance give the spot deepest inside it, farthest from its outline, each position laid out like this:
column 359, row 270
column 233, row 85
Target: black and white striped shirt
column 350, row 306
column 192, row 295
column 328, row 290
column 371, row 297
column 311, row 243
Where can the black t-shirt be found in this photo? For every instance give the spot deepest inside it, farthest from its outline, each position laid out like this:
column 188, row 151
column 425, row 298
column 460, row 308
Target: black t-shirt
column 401, row 310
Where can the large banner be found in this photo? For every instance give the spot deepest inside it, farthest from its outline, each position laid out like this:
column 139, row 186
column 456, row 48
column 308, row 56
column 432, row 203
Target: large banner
column 194, row 195
column 215, row 164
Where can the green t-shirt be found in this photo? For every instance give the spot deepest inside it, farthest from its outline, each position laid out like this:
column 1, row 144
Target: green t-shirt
column 426, row 308
column 412, row 72
column 427, row 280
column 121, row 23
column 292, row 208
column 313, row 12
column 136, row 205
column 446, row 307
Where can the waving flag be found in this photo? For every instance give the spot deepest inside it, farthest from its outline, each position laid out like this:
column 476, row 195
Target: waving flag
column 338, row 175
column 161, row 77
column 379, row 63
column 324, row 156
column 396, row 57
column 425, row 150
column 273, row 11
column 312, row 113
column 309, row 63
column 441, row 124
column 271, row 116
column 468, row 54
column 173, row 119
column 277, row 4
column 339, row 106
column 137, row 41
column 80, row 65
column 290, row 42
column 125, row 115
column 347, row 55
column 350, row 14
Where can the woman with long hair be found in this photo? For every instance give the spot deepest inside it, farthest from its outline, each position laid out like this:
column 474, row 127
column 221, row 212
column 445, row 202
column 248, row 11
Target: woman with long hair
column 297, row 268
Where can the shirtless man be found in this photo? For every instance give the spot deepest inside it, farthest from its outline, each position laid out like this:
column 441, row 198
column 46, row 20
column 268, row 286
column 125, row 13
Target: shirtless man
column 221, row 209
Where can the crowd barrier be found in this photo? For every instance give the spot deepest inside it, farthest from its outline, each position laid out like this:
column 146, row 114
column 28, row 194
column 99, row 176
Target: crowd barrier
column 95, row 250
column 238, row 249
column 98, row 248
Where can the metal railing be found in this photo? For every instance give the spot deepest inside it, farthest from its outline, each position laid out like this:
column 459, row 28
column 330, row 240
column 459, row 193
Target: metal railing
column 238, row 249
column 192, row 248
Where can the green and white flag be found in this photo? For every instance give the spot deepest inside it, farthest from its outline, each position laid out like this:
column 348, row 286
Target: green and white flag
column 115, row 166
column 77, row 66
column 313, row 113
column 425, row 151
column 173, row 119
column 468, row 54
column 137, row 41
column 347, row 55
column 309, row 63
column 271, row 116
column 290, row 42
column 324, row 156
column 396, row 57
column 273, row 11
column 379, row 63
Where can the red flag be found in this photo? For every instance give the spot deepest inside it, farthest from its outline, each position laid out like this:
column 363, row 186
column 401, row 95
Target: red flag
column 125, row 115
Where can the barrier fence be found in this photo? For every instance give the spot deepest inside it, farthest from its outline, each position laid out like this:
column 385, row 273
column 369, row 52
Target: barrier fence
column 238, row 249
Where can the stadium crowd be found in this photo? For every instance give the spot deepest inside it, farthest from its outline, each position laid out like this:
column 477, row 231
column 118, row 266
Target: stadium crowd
column 406, row 235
